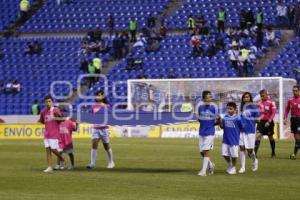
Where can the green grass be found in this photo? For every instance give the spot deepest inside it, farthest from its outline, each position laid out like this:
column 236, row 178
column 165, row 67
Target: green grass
column 145, row 169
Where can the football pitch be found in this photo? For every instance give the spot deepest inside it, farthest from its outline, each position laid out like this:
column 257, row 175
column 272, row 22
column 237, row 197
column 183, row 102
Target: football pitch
column 145, row 169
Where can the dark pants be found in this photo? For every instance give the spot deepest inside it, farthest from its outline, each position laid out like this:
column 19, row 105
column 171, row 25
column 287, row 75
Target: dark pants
column 133, row 35
column 221, row 26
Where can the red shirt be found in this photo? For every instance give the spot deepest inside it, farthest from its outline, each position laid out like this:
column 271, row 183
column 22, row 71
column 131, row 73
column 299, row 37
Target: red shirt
column 65, row 140
column 267, row 109
column 96, row 108
column 51, row 125
column 293, row 105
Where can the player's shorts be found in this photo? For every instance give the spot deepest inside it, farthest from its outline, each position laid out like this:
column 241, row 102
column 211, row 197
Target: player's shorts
column 67, row 151
column 265, row 130
column 247, row 140
column 295, row 125
column 206, row 143
column 52, row 143
column 102, row 134
column 230, row 150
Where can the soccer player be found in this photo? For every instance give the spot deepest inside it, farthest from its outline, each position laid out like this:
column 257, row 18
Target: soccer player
column 267, row 109
column 65, row 141
column 249, row 116
column 100, row 132
column 230, row 145
column 207, row 116
column 51, row 117
column 294, row 105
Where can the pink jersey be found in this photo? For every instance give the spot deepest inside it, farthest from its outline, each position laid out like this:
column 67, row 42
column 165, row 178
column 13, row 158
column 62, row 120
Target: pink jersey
column 65, row 140
column 293, row 105
column 96, row 108
column 267, row 109
column 51, row 125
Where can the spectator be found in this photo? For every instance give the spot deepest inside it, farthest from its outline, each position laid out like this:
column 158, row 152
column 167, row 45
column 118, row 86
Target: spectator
column 191, row 23
column 125, row 42
column 30, row 48
column 134, row 63
column 220, row 44
column 141, row 42
column 117, row 47
column 221, row 20
column 297, row 29
column 152, row 45
column 212, row 50
column 297, row 14
column 33, row 48
column 281, row 14
column 151, row 21
column 270, row 36
column 250, row 19
column 84, row 65
column 97, row 63
column 8, row 88
column 259, row 38
column 133, row 29
column 163, row 31
column 201, row 25
column 92, row 71
column 2, row 87
column 233, row 54
column 24, row 8
column 16, row 87
column 1, row 54
column 259, row 19
column 291, row 15
column 111, row 24
column 35, row 108
column 37, row 47
column 243, row 23
column 196, row 45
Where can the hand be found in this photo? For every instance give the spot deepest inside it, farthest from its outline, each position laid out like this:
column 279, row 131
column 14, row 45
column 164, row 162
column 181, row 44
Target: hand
column 285, row 122
column 267, row 124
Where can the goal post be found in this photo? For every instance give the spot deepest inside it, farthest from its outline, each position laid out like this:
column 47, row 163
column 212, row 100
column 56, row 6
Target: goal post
column 167, row 95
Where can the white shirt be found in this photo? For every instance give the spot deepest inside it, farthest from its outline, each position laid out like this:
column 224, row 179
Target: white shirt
column 233, row 54
column 281, row 10
column 270, row 35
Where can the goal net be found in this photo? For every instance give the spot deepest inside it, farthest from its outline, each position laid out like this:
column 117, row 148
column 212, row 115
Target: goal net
column 168, row 95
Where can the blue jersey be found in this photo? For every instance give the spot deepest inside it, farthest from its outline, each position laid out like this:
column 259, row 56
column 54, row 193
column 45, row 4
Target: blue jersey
column 248, row 118
column 232, row 128
column 207, row 117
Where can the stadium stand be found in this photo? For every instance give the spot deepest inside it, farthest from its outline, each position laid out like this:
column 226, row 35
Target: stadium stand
column 285, row 62
column 210, row 8
column 60, row 56
column 58, row 61
column 83, row 15
column 9, row 11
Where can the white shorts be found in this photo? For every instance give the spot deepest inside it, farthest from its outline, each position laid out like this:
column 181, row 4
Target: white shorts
column 230, row 150
column 247, row 140
column 52, row 143
column 206, row 143
column 102, row 134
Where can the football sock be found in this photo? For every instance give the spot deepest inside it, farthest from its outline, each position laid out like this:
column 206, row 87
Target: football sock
column 205, row 163
column 272, row 143
column 297, row 147
column 253, row 157
column 257, row 143
column 243, row 159
column 93, row 156
column 110, row 155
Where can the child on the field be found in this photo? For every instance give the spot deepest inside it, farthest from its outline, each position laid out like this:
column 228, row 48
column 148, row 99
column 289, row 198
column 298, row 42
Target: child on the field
column 65, row 141
column 230, row 145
